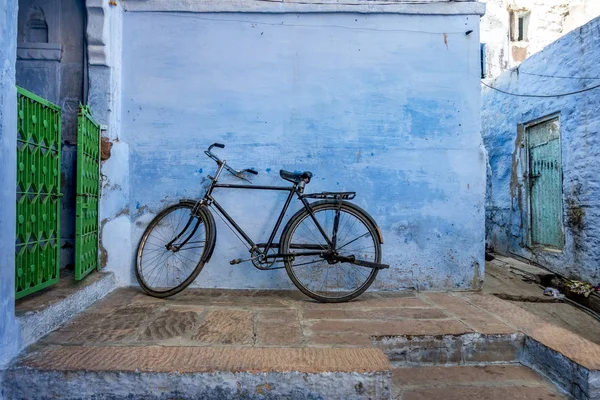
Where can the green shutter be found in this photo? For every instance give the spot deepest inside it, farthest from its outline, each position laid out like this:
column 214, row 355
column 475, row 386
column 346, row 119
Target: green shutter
column 88, row 193
column 38, row 193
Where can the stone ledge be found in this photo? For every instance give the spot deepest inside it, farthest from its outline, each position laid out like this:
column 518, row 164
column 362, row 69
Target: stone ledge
column 423, row 7
column 186, row 360
column 574, row 378
column 39, row 51
column 43, row 312
column 470, row 348
column 41, row 385
column 158, row 372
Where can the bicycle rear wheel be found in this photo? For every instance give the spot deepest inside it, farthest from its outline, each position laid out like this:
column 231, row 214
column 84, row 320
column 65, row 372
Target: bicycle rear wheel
column 173, row 249
column 315, row 276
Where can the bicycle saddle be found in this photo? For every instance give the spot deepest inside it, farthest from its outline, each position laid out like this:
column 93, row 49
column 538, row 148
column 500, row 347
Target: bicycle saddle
column 296, row 177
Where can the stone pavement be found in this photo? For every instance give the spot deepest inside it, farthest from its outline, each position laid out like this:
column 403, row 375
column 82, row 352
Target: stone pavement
column 214, row 317
column 433, row 339
column 517, row 282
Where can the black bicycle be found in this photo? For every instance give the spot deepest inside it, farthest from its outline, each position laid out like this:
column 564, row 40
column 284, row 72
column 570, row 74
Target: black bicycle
column 331, row 248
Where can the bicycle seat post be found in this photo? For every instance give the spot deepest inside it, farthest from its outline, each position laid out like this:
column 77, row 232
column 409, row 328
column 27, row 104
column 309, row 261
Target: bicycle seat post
column 301, row 186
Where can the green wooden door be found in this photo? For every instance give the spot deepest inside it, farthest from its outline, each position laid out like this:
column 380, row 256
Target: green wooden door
column 38, row 194
column 88, row 193
column 545, row 182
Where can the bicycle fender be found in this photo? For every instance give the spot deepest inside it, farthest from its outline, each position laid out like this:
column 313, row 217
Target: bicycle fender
column 346, row 203
column 212, row 229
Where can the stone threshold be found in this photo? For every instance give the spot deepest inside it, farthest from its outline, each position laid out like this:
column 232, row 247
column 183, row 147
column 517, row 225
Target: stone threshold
column 160, row 372
column 45, row 311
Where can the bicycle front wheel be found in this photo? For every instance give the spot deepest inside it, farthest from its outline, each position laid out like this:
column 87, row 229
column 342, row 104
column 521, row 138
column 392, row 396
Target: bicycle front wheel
column 327, row 280
column 173, row 249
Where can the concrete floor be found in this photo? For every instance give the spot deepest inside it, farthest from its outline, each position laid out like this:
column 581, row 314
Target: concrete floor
column 504, row 281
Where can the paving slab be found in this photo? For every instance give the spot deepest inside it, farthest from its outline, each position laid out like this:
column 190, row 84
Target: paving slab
column 491, row 382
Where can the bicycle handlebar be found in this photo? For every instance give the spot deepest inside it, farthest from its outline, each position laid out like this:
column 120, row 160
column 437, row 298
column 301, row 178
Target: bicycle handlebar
column 235, row 172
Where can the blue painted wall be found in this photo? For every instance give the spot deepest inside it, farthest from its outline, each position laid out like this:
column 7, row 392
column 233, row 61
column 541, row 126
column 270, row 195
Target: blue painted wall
column 577, row 54
column 9, row 332
column 383, row 104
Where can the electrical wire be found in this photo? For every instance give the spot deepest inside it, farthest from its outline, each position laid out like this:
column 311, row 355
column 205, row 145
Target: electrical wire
column 518, row 71
column 540, row 95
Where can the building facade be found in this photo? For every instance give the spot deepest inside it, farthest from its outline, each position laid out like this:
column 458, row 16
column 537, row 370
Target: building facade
column 382, row 99
column 541, row 127
column 512, row 30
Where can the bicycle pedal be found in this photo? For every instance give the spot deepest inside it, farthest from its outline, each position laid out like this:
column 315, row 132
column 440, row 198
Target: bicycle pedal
column 236, row 261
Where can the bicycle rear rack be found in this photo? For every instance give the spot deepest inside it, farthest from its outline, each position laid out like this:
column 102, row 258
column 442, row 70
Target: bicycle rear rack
column 330, row 195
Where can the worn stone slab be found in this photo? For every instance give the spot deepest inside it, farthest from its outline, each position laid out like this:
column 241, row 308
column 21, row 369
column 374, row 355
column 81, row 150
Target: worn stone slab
column 487, row 393
column 225, row 327
column 475, row 318
column 381, row 314
column 40, row 314
column 278, row 328
column 65, row 287
column 171, row 324
column 470, row 348
column 391, row 328
column 207, row 359
column 368, row 303
column 233, row 298
column 339, row 339
column 538, row 274
column 504, row 375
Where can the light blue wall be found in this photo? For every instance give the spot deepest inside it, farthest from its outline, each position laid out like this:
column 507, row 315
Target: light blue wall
column 383, row 104
column 9, row 333
column 575, row 55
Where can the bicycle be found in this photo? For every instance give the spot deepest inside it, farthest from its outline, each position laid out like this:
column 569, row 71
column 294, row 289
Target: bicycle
column 331, row 248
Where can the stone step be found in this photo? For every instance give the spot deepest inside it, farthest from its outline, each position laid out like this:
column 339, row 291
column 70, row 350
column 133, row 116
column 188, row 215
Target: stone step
column 533, row 272
column 161, row 372
column 465, row 349
column 490, row 382
column 43, row 312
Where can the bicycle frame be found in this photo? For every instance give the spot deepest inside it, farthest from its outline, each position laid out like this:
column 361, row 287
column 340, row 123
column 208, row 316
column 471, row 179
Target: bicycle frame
column 263, row 248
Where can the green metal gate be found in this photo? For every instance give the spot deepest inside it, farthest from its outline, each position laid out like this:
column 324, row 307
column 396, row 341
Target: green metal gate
column 88, row 190
column 38, row 193
column 545, row 182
